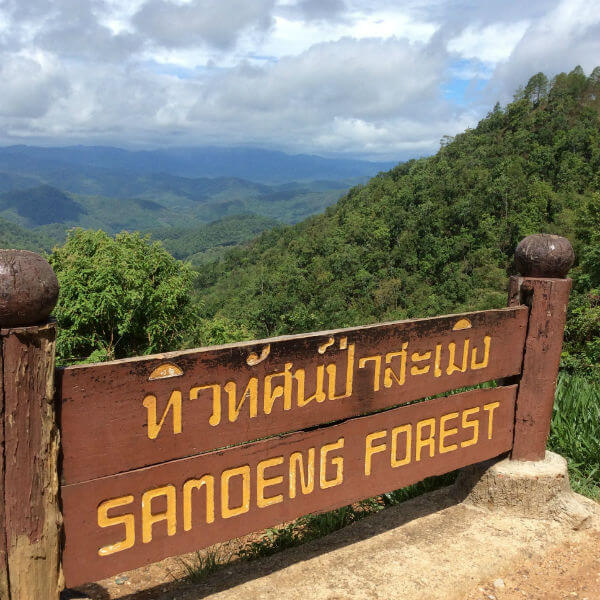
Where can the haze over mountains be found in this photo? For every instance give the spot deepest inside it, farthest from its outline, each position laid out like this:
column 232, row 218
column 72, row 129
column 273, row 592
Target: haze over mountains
column 115, row 189
column 254, row 164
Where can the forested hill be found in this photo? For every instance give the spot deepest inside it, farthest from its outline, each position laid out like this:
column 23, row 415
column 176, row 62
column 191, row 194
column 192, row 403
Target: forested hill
column 437, row 235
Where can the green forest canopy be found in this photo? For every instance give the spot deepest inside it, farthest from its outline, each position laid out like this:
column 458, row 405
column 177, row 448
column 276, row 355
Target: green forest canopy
column 436, row 235
column 119, row 297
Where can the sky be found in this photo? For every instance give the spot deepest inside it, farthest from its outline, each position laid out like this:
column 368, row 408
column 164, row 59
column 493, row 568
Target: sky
column 379, row 79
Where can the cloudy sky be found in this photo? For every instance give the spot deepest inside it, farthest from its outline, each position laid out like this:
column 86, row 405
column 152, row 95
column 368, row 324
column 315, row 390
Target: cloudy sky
column 379, row 79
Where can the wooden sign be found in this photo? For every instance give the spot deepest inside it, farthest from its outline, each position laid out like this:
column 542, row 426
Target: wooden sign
column 124, row 521
column 128, row 414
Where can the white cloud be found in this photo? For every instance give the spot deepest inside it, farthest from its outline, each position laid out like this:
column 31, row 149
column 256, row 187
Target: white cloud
column 566, row 36
column 292, row 36
column 198, row 22
column 32, row 83
column 493, row 43
column 348, row 85
column 380, row 79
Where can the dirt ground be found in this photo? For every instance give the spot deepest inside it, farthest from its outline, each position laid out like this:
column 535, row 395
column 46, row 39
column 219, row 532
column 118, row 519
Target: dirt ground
column 519, row 558
column 570, row 570
column 567, row 571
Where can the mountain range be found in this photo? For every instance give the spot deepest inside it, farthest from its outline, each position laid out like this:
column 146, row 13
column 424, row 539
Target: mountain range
column 53, row 189
column 254, row 164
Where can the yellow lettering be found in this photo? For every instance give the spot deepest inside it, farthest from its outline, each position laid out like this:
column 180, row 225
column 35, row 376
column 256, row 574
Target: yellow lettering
column 491, row 408
column 226, row 511
column 444, row 433
column 338, row 461
column 370, row 449
column 396, row 431
column 452, row 367
column 389, row 373
column 297, row 460
column 285, row 390
column 428, row 441
column 377, row 369
column 215, row 417
column 437, row 369
column 174, row 403
column 208, row 481
column 470, row 424
column 127, row 519
column 319, row 395
column 332, row 373
column 149, row 518
column 486, row 354
column 251, row 393
column 416, row 357
column 262, row 483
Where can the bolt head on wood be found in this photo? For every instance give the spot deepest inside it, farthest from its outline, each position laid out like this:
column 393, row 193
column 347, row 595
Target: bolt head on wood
column 28, row 288
column 544, row 255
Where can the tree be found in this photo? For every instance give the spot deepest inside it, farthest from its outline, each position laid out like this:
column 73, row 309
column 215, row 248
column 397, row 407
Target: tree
column 437, row 234
column 119, row 297
column 537, row 88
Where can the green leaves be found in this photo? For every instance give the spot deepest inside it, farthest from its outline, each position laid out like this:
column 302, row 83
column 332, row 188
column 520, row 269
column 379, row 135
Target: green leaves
column 119, row 297
column 575, row 431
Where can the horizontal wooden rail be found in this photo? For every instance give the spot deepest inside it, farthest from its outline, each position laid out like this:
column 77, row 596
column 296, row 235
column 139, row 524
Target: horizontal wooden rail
column 129, row 414
column 170, row 453
column 124, row 521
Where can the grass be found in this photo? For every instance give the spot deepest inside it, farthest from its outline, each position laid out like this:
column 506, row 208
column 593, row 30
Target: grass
column 575, row 434
column 575, row 431
column 204, row 563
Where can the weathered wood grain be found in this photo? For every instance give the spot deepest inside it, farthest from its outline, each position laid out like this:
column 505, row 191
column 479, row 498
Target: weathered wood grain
column 360, row 460
column 4, row 592
column 548, row 299
column 32, row 521
column 108, row 426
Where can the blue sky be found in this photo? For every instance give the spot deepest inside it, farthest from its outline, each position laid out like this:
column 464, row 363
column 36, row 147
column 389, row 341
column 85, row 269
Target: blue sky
column 381, row 79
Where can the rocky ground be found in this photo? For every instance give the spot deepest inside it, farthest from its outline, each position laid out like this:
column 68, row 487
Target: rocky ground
column 570, row 570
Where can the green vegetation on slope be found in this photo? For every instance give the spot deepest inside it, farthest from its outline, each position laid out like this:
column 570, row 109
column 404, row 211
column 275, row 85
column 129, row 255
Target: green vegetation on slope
column 115, row 201
column 202, row 243
column 41, row 206
column 19, row 238
column 437, row 235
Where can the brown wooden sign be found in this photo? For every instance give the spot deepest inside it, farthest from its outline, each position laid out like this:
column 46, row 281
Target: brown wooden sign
column 128, row 414
column 164, row 454
column 120, row 522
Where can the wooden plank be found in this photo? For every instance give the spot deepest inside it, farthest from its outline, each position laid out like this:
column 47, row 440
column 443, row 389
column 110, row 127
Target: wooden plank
column 124, row 521
column 129, row 414
column 4, row 591
column 31, row 446
column 548, row 299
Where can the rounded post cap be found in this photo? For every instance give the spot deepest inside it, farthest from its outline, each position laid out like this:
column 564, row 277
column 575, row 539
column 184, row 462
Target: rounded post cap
column 28, row 288
column 544, row 255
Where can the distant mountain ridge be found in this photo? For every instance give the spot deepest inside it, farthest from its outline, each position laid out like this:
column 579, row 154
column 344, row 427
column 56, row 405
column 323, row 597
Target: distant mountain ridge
column 253, row 164
column 41, row 205
column 115, row 189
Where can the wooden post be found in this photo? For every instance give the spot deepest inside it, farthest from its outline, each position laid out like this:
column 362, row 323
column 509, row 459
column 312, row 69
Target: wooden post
column 30, row 519
column 543, row 262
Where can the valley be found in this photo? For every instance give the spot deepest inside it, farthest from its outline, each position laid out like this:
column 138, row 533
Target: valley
column 169, row 194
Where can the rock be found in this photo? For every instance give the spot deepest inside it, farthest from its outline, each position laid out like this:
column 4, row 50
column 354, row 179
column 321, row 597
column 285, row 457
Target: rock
column 499, row 584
